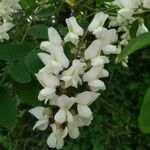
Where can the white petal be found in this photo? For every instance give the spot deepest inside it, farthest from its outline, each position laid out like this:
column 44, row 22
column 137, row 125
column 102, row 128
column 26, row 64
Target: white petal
column 45, row 58
column 103, row 74
column 54, row 37
column 73, row 131
column 99, row 61
column 37, row 112
column 60, row 116
column 98, row 20
column 41, row 124
column 142, row 29
column 93, row 50
column 84, row 111
column 74, row 27
column 110, row 49
column 97, row 85
column 62, row 101
column 46, row 93
column 60, row 143
column 47, row 80
column 87, row 97
column 69, row 117
column 61, row 57
column 6, row 26
column 46, row 46
column 92, row 74
column 72, row 37
column 124, row 14
column 80, row 121
column 52, row 140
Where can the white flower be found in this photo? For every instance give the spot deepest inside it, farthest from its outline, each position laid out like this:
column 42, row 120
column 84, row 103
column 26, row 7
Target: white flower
column 92, row 77
column 54, row 40
column 56, row 138
column 83, row 100
column 49, row 82
column 43, row 115
column 99, row 61
column 107, row 37
column 93, row 50
column 146, row 4
column 142, row 29
column 7, row 7
column 71, row 76
column 6, row 26
column 74, row 31
column 130, row 4
column 55, row 62
column 63, row 115
column 78, row 121
column 124, row 14
column 98, row 22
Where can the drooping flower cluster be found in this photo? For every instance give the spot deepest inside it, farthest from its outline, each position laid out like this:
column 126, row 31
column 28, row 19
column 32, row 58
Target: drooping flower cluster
column 70, row 87
column 125, row 17
column 67, row 110
column 7, row 8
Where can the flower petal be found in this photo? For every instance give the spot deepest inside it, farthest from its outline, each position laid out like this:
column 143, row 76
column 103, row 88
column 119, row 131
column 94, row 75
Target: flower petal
column 60, row 116
column 73, row 131
column 87, row 97
column 84, row 111
column 37, row 112
column 45, row 58
column 54, row 37
column 93, row 50
column 98, row 21
column 41, row 124
column 52, row 140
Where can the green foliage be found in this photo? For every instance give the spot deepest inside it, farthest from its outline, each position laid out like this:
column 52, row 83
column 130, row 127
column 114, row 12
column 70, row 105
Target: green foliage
column 8, row 110
column 144, row 118
column 33, row 62
column 13, row 52
column 28, row 92
column 19, row 72
column 135, row 44
column 39, row 31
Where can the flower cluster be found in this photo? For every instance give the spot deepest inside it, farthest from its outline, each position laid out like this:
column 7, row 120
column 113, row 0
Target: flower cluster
column 125, row 17
column 7, row 8
column 60, row 75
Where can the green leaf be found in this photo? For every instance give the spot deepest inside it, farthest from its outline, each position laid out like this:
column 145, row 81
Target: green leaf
column 137, row 43
column 19, row 72
column 33, row 62
column 12, row 52
column 8, row 111
column 144, row 117
column 39, row 31
column 28, row 92
column 26, row 4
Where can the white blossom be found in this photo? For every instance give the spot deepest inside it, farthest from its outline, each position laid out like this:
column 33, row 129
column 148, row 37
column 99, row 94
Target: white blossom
column 98, row 22
column 55, row 62
column 74, row 31
column 141, row 29
column 71, row 76
column 54, row 40
column 78, row 121
column 83, row 100
column 43, row 115
column 63, row 115
column 49, row 83
column 56, row 138
column 6, row 26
